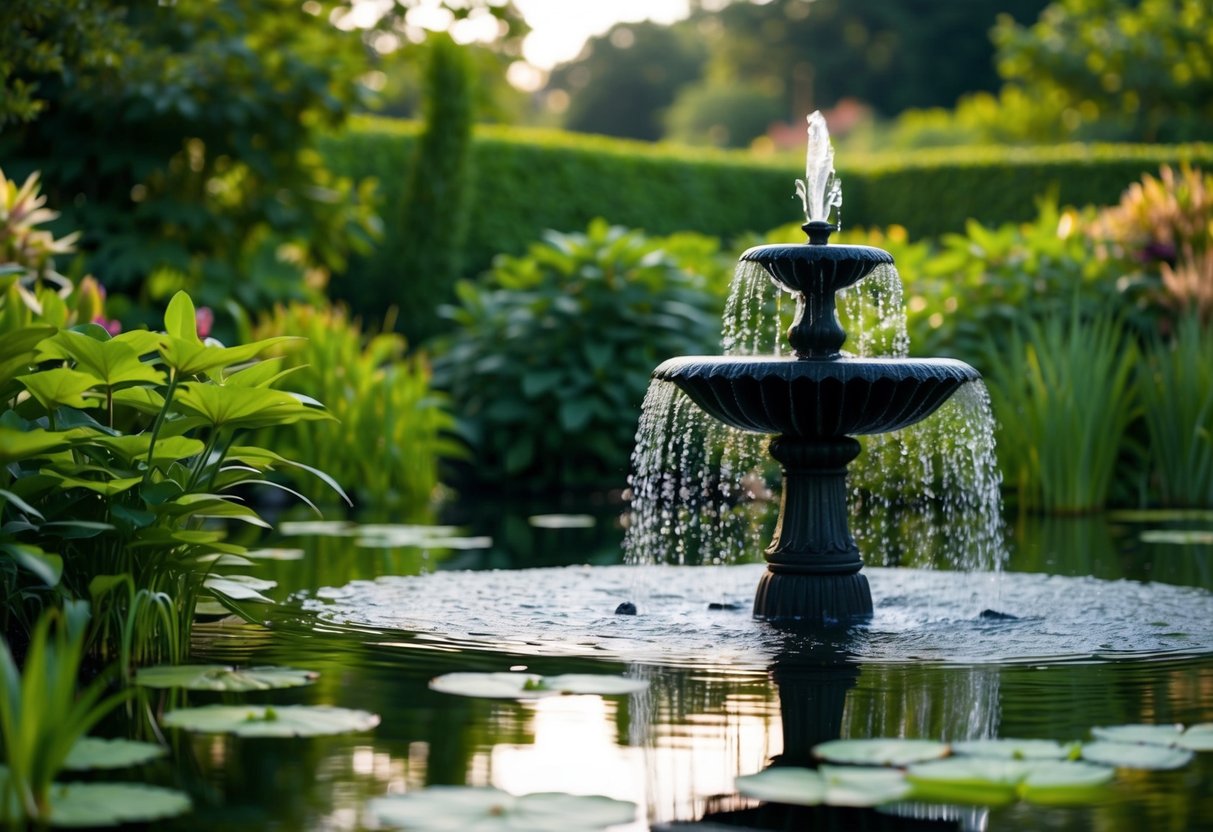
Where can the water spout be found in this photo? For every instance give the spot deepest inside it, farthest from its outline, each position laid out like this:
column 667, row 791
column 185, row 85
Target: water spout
column 821, row 189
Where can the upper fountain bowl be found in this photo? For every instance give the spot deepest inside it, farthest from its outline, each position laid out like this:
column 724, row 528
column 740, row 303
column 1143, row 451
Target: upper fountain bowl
column 817, row 399
column 819, row 270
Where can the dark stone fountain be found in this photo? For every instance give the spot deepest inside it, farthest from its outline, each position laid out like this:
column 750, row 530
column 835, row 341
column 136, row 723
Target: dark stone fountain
column 815, row 402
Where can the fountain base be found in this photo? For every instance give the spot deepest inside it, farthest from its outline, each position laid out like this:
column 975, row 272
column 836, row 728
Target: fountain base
column 813, row 599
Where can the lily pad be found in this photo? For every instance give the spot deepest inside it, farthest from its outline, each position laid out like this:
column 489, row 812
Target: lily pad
column 487, row 809
column 1136, row 755
column 562, row 521
column 1179, row 537
column 266, row 721
column 1198, row 737
column 1013, row 749
column 319, row 528
column 1160, row 515
column 274, row 554
column 991, row 782
column 880, row 752
column 220, row 677
column 1149, row 734
column 96, row 753
column 111, row 804
column 832, row 785
column 532, row 686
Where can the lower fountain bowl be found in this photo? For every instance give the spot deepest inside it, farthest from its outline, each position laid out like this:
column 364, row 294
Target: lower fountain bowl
column 817, row 398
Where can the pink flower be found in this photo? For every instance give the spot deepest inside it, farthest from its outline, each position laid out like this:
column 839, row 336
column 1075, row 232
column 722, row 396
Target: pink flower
column 111, row 326
column 204, row 319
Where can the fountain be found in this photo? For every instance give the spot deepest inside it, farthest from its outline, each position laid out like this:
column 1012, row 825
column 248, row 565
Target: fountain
column 815, row 402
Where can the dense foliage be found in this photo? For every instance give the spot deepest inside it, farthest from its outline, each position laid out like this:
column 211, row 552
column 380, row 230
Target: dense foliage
column 551, row 354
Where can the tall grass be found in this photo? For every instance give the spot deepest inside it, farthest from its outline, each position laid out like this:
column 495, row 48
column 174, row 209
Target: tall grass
column 1064, row 394
column 1176, row 383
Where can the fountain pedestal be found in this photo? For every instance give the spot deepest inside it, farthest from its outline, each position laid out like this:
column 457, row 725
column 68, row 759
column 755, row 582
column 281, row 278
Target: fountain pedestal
column 813, row 563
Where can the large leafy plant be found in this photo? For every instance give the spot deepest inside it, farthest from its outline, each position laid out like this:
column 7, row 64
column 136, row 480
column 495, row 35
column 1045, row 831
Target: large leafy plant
column 119, row 453
column 552, row 352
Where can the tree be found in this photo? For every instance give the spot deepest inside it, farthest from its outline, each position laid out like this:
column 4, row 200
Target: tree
column 1123, row 69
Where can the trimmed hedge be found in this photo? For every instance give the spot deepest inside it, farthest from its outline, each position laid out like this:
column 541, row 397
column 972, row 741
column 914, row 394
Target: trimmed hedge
column 527, row 181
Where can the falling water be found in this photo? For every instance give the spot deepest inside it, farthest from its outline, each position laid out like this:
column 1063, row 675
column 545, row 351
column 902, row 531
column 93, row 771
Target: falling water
column 925, row 496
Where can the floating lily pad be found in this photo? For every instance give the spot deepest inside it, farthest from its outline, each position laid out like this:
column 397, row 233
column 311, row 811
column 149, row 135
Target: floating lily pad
column 111, row 804
column 274, row 554
column 206, row 605
column 531, row 685
column 832, row 785
column 562, row 521
column 1012, row 749
column 487, row 809
column 1180, row 537
column 318, row 528
column 220, row 677
column 95, row 753
column 880, row 752
column 1149, row 734
column 1198, row 737
column 1161, row 515
column 990, row 782
column 265, row 721
column 1136, row 755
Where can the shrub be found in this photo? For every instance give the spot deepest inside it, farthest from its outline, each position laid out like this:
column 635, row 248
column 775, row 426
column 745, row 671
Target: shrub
column 390, row 428
column 551, row 356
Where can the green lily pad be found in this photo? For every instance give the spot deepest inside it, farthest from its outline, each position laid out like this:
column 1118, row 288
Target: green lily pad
column 487, row 810
column 392, row 542
column 111, row 804
column 533, row 686
column 1012, row 749
column 319, row 528
column 1149, row 734
column 94, row 752
column 1179, row 537
column 562, row 521
column 1160, row 515
column 1198, row 737
column 220, row 677
column 991, row 782
column 880, row 752
column 832, row 785
column 274, row 554
column 265, row 721
column 1136, row 755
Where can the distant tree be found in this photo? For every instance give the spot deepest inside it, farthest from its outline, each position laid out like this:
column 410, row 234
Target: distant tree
column 1130, row 69
column 722, row 114
column 623, row 81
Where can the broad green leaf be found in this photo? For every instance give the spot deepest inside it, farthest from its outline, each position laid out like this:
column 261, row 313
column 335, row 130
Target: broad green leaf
column 794, row 786
column 270, row 721
column 141, row 341
column 76, row 529
column 16, row 445
column 192, row 357
column 1136, row 755
column 46, row 567
column 94, row 753
column 1065, row 783
column 243, row 407
column 265, row 460
column 972, row 780
column 530, row 685
column 1151, row 734
column 133, row 447
column 106, row 488
column 240, row 587
column 180, row 318
column 58, row 387
column 21, row 505
column 262, row 374
column 218, row 677
column 17, row 349
column 862, row 787
column 880, row 752
column 486, row 809
column 210, row 505
column 1012, row 749
column 141, row 399
column 111, row 363
column 112, row 804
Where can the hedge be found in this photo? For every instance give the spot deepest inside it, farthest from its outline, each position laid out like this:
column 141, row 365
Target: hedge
column 527, row 181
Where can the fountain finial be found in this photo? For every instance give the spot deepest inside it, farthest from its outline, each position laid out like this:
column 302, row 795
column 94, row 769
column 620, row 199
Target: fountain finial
column 821, row 189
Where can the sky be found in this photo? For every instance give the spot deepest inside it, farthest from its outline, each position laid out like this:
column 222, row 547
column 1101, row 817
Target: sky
column 559, row 28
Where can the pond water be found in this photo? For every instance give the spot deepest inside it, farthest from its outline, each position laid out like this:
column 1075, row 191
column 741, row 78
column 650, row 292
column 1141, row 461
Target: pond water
column 1122, row 633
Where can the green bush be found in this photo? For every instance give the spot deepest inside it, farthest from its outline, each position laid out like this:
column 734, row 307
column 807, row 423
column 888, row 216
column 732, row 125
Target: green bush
column 390, row 427
column 551, row 354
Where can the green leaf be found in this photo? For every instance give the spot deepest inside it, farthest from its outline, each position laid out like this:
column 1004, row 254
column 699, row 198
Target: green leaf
column 111, row 804
column 46, row 567
column 1136, row 755
column 1012, row 749
column 1064, row 783
column 266, row 721
column 107, row 488
column 180, row 318
column 794, row 786
column 218, row 677
column 58, row 387
column 192, row 357
column 967, row 780
column 880, row 752
column 17, row 445
column 485, row 809
column 111, row 362
column 240, row 587
column 530, row 685
column 21, row 504
column 132, row 447
column 243, row 407
column 93, row 753
column 1151, row 734
column 142, row 399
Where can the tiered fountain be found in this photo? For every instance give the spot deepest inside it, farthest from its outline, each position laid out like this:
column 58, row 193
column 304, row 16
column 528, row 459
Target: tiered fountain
column 815, row 402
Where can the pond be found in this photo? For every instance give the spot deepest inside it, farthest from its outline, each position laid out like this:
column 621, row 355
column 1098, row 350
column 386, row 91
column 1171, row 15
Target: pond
column 711, row 712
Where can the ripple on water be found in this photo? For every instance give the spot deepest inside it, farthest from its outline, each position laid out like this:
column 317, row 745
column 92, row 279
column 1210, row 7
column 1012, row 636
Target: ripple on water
column 920, row 616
